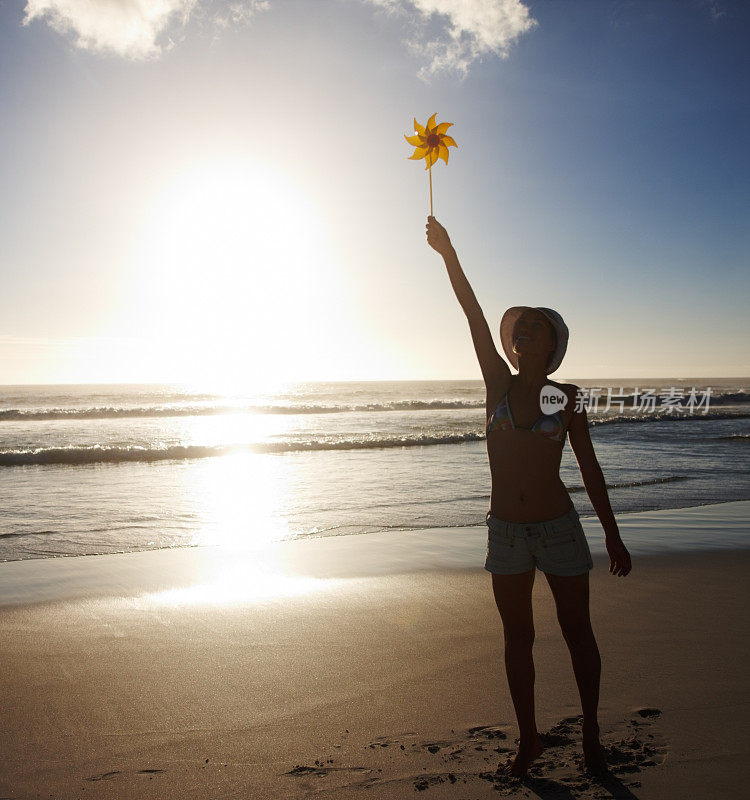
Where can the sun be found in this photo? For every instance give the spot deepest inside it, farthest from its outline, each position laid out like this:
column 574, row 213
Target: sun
column 232, row 266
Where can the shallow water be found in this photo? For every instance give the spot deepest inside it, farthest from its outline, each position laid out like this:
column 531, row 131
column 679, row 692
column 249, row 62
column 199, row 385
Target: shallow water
column 87, row 469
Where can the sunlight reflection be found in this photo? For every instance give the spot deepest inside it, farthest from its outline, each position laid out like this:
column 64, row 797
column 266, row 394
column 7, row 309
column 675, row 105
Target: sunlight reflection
column 247, row 573
column 241, row 581
column 241, row 496
column 240, row 500
column 231, row 429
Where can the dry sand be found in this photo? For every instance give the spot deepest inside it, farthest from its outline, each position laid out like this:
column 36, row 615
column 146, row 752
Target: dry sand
column 387, row 686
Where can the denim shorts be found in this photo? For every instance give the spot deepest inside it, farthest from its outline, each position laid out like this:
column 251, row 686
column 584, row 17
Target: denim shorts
column 557, row 546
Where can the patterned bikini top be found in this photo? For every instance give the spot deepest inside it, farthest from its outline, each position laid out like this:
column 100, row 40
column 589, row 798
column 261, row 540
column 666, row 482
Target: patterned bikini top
column 551, row 426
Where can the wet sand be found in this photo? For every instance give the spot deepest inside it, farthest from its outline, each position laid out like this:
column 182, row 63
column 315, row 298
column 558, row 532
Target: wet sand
column 382, row 686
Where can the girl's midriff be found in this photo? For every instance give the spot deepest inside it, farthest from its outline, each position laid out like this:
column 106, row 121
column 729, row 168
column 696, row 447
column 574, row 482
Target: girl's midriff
column 525, row 470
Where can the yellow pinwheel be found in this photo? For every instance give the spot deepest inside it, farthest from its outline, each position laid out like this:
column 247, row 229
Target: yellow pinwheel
column 431, row 142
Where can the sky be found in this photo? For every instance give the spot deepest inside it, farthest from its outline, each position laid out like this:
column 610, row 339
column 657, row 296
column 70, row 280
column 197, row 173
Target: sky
column 220, row 193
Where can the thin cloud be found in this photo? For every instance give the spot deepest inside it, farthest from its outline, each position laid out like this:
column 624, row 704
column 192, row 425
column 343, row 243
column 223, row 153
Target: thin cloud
column 136, row 29
column 452, row 34
column 240, row 13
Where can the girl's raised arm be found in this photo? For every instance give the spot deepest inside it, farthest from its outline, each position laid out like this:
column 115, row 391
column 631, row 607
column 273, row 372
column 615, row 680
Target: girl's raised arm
column 495, row 370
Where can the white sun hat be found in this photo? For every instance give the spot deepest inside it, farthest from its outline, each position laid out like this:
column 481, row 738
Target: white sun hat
column 506, row 334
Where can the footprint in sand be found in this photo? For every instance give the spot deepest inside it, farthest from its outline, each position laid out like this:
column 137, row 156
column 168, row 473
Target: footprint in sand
column 629, row 747
column 320, row 769
column 104, row 776
column 108, row 776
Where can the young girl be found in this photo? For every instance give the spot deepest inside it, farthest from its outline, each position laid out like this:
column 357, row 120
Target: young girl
column 532, row 521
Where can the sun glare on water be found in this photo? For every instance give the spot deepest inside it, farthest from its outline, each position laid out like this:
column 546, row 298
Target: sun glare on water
column 242, row 557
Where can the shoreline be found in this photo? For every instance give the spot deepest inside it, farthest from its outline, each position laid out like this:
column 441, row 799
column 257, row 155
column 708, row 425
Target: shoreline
column 296, row 565
column 316, row 537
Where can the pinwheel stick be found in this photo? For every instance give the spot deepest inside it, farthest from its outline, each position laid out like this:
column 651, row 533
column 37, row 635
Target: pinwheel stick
column 431, row 214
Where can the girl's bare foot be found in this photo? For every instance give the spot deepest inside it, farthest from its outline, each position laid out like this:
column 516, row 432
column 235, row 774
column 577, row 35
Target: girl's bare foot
column 527, row 752
column 594, row 760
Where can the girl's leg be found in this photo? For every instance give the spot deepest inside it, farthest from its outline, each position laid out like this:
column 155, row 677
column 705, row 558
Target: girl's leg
column 513, row 599
column 572, row 601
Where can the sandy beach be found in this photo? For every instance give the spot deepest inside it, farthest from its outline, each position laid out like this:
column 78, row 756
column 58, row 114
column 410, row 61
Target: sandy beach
column 386, row 685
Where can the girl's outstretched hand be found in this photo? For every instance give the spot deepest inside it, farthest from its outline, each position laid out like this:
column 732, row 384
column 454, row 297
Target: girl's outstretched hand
column 437, row 236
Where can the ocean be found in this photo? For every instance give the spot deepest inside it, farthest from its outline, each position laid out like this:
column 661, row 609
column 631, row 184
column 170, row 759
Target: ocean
column 102, row 469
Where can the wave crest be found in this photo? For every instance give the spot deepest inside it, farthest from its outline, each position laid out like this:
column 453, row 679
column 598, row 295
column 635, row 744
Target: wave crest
column 116, row 412
column 97, row 454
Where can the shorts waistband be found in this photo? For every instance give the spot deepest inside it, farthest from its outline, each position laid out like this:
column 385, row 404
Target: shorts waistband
column 525, row 527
